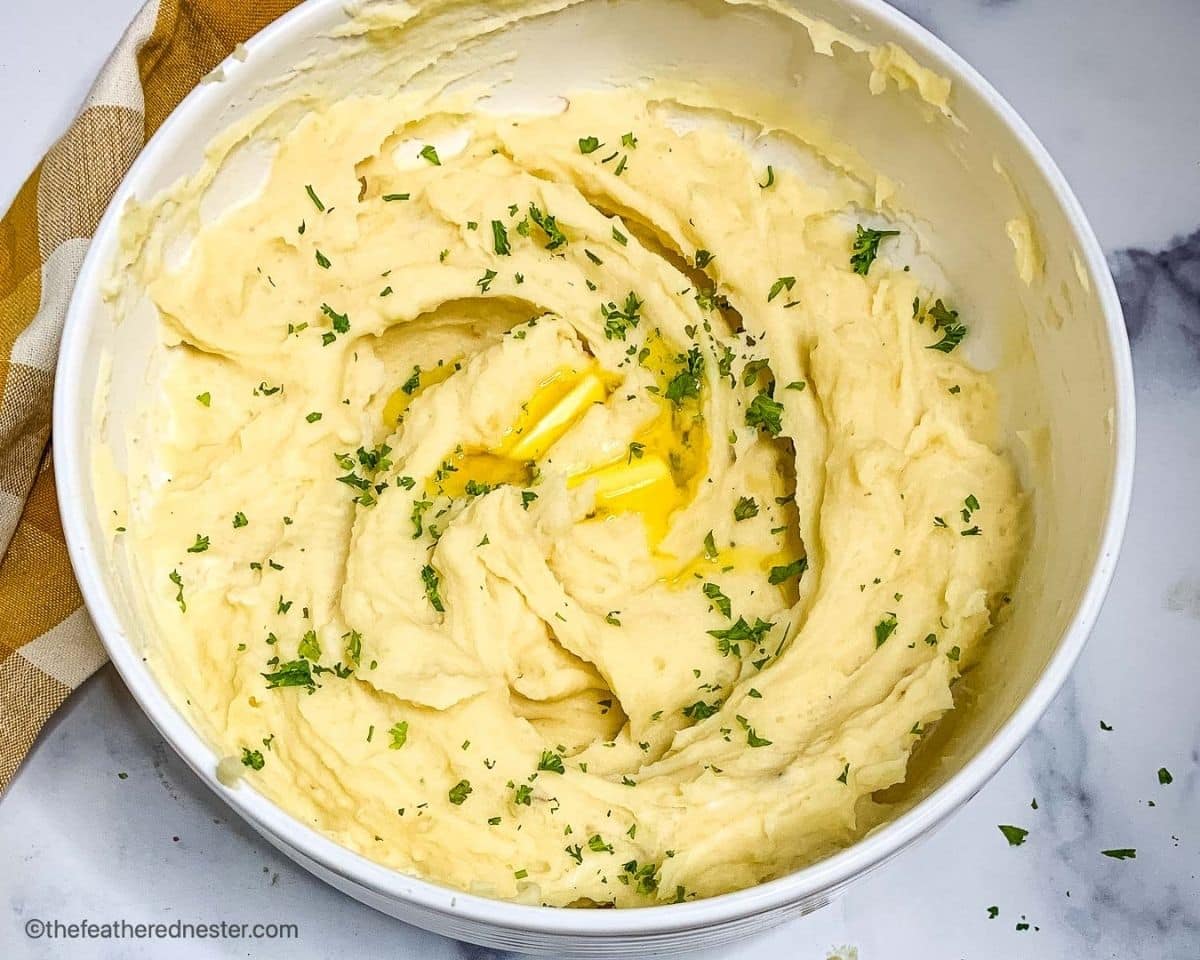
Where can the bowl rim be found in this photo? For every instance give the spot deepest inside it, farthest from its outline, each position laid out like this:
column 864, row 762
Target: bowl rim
column 72, row 475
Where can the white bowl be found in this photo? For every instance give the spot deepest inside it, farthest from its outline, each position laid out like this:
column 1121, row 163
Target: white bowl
column 1066, row 382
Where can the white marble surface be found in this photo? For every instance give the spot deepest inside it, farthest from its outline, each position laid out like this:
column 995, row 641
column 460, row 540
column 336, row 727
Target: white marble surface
column 1112, row 89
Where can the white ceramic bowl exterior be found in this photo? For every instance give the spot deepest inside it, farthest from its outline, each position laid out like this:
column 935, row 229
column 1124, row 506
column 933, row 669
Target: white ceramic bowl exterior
column 1062, row 366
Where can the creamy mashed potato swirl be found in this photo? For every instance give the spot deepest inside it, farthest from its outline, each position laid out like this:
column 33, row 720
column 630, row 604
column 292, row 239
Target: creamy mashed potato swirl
column 566, row 508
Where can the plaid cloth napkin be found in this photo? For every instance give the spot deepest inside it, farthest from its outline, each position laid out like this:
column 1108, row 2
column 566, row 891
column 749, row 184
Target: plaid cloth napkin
column 48, row 646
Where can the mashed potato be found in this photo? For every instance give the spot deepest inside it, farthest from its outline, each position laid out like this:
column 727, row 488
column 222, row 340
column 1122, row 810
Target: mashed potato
column 572, row 509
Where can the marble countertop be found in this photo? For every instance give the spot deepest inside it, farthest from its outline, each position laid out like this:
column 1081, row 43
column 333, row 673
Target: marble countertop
column 104, row 821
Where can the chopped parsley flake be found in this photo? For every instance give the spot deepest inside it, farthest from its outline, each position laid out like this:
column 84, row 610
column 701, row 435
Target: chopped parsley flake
column 686, row 383
column 239, row 520
column 314, row 416
column 295, row 673
column 551, row 762
column 458, row 793
column 719, row 600
column 1121, row 853
column 866, row 247
column 884, row 629
column 430, row 579
column 399, row 735
column 589, row 144
column 549, row 226
column 729, row 640
column 199, row 546
column 178, row 581
column 766, row 413
column 1014, row 835
column 770, row 178
column 484, row 283
column 429, row 152
column 1164, row 776
column 204, row 399
column 253, row 758
column 783, row 283
column 500, row 239
column 785, row 572
column 745, row 508
column 389, row 197
column 312, row 195
column 322, row 261
column 618, row 321
column 945, row 320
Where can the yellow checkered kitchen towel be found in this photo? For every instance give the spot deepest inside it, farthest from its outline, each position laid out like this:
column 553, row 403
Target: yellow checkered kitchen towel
column 48, row 646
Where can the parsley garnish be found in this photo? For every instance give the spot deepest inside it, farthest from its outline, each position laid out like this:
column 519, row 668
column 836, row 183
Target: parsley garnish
column 619, row 237
column 701, row 711
column 781, row 574
column 765, row 412
column 396, row 196
column 686, row 383
column 322, row 260
column 611, row 618
column 1014, row 835
column 618, row 321
column 844, row 776
column 253, row 758
column 239, row 520
column 1164, row 776
column 314, row 416
column 589, row 144
column 178, row 581
column 500, row 239
column 295, row 673
column 866, row 247
column 312, row 195
column 429, row 152
column 730, row 639
column 783, row 283
column 484, row 283
column 770, row 178
column 549, row 226
column 720, row 601
column 204, row 399
column 199, row 546
column 459, row 792
column 430, row 579
column 1121, row 853
column 551, row 762
column 399, row 735
column 745, row 508
column 946, row 320
column 884, row 629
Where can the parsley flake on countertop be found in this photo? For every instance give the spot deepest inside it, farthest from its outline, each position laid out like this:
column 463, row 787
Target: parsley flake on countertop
column 1164, row 776
column 1014, row 835
column 1121, row 853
